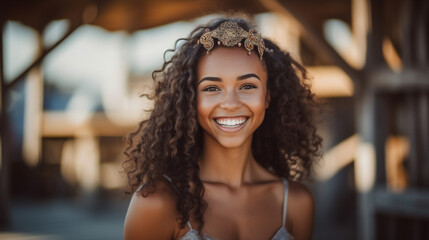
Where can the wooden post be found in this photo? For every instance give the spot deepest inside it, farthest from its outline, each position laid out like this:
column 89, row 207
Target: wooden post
column 365, row 163
column 373, row 136
column 422, row 37
column 424, row 135
column 4, row 163
column 33, row 111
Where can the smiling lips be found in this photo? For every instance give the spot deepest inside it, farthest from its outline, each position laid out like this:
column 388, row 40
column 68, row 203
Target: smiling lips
column 231, row 122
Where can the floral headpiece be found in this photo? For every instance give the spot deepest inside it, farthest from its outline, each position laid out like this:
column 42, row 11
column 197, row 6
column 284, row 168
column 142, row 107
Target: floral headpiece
column 231, row 34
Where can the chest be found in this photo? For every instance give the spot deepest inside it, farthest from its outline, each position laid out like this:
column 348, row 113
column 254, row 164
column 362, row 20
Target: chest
column 254, row 213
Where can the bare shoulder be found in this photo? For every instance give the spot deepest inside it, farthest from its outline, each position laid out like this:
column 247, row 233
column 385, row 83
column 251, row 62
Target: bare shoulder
column 300, row 211
column 151, row 217
column 300, row 195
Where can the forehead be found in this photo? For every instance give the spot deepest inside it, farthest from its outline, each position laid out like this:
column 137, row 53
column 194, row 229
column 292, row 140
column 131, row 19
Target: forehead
column 230, row 60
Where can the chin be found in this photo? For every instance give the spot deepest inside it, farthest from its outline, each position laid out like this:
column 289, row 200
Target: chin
column 232, row 143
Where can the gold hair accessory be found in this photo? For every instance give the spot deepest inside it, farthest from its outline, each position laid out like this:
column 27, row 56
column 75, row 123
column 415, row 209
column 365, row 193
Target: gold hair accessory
column 230, row 34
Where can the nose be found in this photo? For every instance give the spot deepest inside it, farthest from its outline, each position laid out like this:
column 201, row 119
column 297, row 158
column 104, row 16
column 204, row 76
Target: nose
column 230, row 101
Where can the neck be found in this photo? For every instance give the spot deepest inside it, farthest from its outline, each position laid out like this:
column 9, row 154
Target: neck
column 230, row 166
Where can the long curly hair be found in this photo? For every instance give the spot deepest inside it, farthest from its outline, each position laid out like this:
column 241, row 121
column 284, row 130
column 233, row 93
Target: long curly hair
column 170, row 141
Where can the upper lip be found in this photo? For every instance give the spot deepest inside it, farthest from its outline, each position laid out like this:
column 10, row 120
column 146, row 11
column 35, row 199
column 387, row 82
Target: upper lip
column 235, row 116
column 231, row 117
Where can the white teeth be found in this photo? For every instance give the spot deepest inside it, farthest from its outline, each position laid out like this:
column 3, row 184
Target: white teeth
column 230, row 122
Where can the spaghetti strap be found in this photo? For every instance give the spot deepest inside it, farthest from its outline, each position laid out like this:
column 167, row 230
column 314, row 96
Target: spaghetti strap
column 171, row 183
column 190, row 226
column 286, row 188
column 139, row 188
column 167, row 177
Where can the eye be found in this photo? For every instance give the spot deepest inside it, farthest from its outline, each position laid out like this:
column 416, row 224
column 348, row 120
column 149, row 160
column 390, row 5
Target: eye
column 248, row 86
column 210, row 89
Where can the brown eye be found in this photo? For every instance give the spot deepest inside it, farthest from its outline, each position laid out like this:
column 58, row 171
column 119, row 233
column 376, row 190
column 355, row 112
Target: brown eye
column 210, row 89
column 248, row 86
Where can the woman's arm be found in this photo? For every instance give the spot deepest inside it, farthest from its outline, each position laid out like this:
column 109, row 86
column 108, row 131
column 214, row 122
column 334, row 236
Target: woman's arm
column 151, row 217
column 301, row 211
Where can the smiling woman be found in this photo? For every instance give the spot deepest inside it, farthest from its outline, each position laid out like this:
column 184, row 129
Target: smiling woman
column 231, row 97
column 230, row 135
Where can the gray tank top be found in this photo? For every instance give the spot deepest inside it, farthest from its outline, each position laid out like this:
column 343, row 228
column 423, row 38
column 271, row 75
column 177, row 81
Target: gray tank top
column 281, row 234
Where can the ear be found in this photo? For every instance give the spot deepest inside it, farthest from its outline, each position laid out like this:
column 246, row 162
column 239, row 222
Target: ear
column 267, row 99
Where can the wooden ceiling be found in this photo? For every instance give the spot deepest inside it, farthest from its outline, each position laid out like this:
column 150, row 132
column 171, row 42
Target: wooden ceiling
column 132, row 15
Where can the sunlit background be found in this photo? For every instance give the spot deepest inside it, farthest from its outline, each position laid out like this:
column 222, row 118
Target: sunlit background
column 72, row 74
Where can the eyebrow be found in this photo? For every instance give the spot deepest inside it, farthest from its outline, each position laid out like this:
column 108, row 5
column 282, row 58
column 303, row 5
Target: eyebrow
column 250, row 75
column 242, row 77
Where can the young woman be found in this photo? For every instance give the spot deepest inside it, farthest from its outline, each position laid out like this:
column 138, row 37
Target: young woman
column 230, row 133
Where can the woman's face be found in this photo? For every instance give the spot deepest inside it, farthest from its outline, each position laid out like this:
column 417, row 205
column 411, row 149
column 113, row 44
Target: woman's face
column 231, row 95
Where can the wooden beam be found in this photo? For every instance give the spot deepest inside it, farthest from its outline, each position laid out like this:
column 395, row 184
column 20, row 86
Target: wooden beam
column 412, row 202
column 42, row 56
column 88, row 15
column 314, row 39
column 384, row 79
column 60, row 125
column 330, row 81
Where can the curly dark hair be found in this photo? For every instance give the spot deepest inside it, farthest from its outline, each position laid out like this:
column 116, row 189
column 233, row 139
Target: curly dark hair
column 170, row 141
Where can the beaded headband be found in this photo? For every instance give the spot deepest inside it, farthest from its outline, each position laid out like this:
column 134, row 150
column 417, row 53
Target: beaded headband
column 231, row 34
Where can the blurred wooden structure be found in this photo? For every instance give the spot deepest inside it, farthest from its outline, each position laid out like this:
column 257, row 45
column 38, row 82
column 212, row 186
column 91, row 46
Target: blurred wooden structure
column 388, row 100
column 113, row 15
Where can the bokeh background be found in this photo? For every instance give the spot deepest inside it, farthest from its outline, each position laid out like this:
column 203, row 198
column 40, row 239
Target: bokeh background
column 72, row 72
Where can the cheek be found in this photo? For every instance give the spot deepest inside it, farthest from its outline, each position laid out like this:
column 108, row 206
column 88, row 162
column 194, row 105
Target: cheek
column 259, row 108
column 204, row 108
column 257, row 103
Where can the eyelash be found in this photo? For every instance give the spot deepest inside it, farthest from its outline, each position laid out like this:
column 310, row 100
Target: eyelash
column 210, row 89
column 248, row 86
column 214, row 88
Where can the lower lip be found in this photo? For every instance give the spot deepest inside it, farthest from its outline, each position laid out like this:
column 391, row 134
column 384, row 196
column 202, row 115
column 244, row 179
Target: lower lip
column 232, row 129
